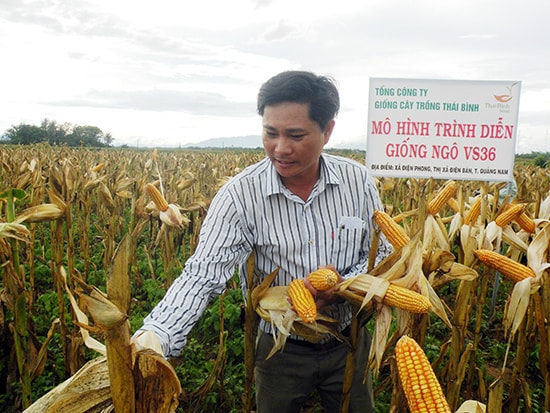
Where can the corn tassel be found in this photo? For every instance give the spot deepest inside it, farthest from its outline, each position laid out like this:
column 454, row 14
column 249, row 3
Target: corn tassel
column 392, row 230
column 473, row 213
column 446, row 193
column 420, row 384
column 323, row 279
column 511, row 269
column 509, row 214
column 157, row 197
column 302, row 301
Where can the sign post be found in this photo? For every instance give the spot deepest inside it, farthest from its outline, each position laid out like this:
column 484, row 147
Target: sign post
column 443, row 129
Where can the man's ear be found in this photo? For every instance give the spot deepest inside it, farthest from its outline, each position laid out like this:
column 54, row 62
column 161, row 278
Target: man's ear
column 328, row 130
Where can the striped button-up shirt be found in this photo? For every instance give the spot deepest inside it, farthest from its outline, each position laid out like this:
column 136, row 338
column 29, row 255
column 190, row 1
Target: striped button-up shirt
column 254, row 211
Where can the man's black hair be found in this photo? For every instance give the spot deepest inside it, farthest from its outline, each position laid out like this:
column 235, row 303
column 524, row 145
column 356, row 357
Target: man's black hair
column 319, row 92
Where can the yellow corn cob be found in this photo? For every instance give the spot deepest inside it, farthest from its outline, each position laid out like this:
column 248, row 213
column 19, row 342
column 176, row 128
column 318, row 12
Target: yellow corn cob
column 509, row 214
column 323, row 279
column 98, row 167
column 511, row 269
column 157, row 197
column 473, row 213
column 302, row 301
column 394, row 295
column 420, row 384
column 526, row 222
column 453, row 203
column 409, row 300
column 394, row 232
column 444, row 194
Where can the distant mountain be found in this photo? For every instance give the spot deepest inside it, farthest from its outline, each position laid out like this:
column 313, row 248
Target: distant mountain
column 359, row 144
column 255, row 141
column 251, row 141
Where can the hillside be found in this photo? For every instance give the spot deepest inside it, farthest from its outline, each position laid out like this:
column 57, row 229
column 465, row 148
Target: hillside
column 255, row 141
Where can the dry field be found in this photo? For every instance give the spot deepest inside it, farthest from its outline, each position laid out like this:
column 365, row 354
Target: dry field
column 81, row 226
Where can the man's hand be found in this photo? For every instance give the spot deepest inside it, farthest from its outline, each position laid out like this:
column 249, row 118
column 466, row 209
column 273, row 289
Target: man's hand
column 328, row 297
column 147, row 340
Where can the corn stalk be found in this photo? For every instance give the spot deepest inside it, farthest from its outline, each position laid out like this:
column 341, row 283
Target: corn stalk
column 15, row 285
column 250, row 333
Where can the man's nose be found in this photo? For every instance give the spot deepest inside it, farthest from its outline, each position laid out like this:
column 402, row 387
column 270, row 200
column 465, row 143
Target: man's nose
column 284, row 145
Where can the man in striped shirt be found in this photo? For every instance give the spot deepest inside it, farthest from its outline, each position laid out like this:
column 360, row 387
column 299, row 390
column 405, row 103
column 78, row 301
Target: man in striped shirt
column 297, row 210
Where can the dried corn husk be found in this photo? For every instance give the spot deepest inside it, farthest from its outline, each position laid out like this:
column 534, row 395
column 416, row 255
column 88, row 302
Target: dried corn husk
column 86, row 391
column 272, row 305
column 130, row 378
column 40, row 213
column 471, row 406
column 13, row 230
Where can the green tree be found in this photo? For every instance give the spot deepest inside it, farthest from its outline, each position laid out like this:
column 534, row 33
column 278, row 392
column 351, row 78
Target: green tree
column 541, row 161
column 57, row 134
column 24, row 134
column 86, row 136
column 108, row 139
column 54, row 133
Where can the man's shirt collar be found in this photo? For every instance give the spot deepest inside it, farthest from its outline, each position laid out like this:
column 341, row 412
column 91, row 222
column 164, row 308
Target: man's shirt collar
column 328, row 176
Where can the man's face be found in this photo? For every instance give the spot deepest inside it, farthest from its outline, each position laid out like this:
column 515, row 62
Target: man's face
column 293, row 141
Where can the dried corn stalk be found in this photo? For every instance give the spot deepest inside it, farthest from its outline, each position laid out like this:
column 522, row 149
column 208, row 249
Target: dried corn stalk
column 128, row 379
column 400, row 271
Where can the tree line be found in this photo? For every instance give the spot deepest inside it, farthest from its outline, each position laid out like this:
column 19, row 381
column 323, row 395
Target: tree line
column 55, row 133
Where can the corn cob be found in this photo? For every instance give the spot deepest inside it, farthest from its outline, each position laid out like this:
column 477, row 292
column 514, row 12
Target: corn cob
column 453, row 203
column 98, row 167
column 406, row 299
column 302, row 301
column 509, row 214
column 441, row 198
column 323, row 279
column 394, row 232
column 473, row 213
column 511, row 269
column 525, row 222
column 157, row 197
column 394, row 295
column 420, row 384
column 41, row 213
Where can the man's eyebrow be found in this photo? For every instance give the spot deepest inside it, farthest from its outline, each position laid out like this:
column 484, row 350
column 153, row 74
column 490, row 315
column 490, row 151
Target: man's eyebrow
column 289, row 130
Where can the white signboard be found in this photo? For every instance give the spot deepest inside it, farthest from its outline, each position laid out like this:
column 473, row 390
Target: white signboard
column 445, row 129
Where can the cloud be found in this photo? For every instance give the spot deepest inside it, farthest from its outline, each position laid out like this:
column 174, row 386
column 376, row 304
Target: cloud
column 103, row 60
column 280, row 31
column 260, row 4
column 192, row 102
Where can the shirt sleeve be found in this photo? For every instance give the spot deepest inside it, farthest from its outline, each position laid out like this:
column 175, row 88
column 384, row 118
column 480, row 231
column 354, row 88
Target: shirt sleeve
column 222, row 246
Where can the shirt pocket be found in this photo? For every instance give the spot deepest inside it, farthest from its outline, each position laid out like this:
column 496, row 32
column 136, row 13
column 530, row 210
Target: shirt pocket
column 347, row 243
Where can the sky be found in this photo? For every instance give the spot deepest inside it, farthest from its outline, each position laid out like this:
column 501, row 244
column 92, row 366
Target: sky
column 169, row 73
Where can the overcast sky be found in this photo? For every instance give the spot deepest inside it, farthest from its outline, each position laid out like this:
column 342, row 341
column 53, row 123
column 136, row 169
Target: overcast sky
column 169, row 72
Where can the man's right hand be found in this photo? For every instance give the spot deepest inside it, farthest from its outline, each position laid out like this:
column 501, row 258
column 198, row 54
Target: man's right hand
column 147, row 340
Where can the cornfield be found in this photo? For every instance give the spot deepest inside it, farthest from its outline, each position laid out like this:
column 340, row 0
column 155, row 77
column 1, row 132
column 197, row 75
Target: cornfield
column 81, row 234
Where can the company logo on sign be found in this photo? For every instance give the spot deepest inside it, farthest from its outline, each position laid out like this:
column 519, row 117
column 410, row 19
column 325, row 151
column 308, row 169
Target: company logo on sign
column 502, row 100
column 507, row 96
